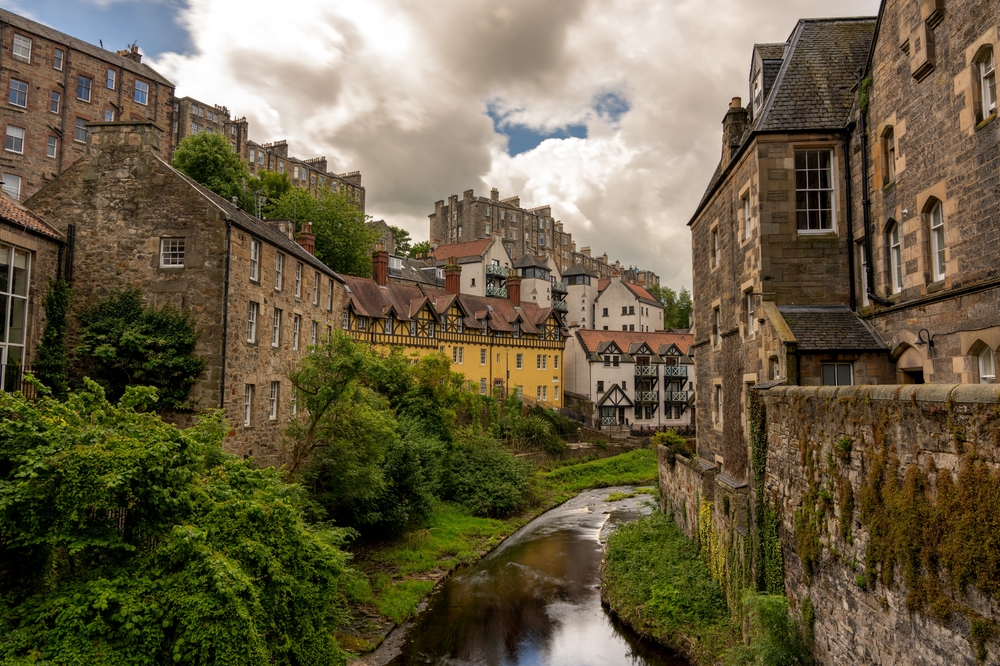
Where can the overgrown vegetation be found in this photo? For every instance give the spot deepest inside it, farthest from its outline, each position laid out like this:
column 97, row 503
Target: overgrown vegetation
column 51, row 366
column 123, row 343
column 675, row 445
column 124, row 540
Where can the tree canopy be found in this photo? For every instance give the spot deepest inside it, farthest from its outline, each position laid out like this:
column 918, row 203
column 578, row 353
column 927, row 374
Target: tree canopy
column 403, row 240
column 676, row 307
column 208, row 159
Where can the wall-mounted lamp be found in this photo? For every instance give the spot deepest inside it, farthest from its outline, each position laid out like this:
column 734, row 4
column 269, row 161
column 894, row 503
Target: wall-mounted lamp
column 924, row 338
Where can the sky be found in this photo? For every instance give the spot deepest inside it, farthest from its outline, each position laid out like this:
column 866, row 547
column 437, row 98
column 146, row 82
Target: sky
column 610, row 111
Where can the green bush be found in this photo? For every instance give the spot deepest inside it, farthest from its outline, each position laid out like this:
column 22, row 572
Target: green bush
column 533, row 432
column 774, row 638
column 561, row 425
column 674, row 443
column 124, row 540
column 51, row 366
column 487, row 480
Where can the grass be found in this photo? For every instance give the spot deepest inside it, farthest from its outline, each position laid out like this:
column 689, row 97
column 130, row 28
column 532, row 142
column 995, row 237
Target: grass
column 655, row 580
column 397, row 575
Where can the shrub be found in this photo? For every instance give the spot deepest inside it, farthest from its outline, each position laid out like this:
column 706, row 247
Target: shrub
column 487, row 479
column 50, row 366
column 533, row 432
column 674, row 443
column 775, row 639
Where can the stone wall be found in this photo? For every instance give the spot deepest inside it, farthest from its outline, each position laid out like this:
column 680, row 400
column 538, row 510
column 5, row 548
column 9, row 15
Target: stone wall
column 864, row 480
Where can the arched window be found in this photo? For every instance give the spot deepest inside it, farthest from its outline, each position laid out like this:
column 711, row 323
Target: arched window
column 895, row 258
column 888, row 156
column 987, row 366
column 937, row 241
column 987, row 77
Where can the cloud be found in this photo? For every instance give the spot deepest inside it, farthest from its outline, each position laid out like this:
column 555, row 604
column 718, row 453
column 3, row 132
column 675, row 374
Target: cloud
column 616, row 104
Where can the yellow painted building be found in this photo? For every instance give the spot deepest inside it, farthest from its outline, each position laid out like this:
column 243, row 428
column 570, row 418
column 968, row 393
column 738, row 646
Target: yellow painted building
column 491, row 341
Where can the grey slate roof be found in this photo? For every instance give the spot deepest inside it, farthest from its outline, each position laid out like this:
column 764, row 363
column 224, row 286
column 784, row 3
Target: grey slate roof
column 830, row 328
column 528, row 260
column 774, row 51
column 72, row 42
column 579, row 269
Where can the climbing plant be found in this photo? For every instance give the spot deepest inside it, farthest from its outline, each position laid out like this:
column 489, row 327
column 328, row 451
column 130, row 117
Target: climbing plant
column 50, row 366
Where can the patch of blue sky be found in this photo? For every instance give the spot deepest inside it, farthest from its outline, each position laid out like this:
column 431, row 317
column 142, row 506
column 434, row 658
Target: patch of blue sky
column 153, row 24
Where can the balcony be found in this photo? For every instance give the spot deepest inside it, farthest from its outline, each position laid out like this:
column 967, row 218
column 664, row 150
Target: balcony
column 675, row 371
column 647, row 396
column 608, row 420
column 501, row 271
column 676, row 396
column 645, row 371
column 560, row 306
column 559, row 287
column 497, row 292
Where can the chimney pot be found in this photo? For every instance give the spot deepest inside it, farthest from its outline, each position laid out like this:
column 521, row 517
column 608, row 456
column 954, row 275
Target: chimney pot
column 306, row 238
column 453, row 277
column 736, row 103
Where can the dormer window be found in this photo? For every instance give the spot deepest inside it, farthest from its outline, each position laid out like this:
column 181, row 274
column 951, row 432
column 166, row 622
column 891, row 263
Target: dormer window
column 758, row 94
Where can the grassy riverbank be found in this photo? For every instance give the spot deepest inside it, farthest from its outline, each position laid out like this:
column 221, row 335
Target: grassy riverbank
column 395, row 576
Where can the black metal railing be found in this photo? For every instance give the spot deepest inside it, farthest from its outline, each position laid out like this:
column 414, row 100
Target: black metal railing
column 12, row 380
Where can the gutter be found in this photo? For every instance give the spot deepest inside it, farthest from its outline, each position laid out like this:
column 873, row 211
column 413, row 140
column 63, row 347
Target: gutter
column 865, row 201
column 225, row 315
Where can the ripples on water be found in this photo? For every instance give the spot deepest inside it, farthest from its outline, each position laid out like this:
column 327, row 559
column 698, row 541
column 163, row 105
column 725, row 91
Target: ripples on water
column 534, row 601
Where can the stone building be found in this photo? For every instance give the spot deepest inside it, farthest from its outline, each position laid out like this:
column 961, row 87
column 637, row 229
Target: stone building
column 194, row 117
column 56, row 84
column 310, row 174
column 771, row 233
column 496, row 343
column 31, row 254
column 258, row 298
column 632, row 378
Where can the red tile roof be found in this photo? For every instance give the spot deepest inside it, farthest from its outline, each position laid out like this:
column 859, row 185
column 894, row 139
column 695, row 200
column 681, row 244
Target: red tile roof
column 638, row 291
column 473, row 248
column 13, row 211
column 591, row 339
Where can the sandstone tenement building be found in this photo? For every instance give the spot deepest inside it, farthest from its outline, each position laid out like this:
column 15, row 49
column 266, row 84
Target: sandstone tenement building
column 54, row 86
column 310, row 174
column 258, row 298
column 193, row 117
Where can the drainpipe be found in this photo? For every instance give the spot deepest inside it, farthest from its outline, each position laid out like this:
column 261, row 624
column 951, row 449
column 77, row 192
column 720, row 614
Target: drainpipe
column 850, row 225
column 225, row 316
column 865, row 202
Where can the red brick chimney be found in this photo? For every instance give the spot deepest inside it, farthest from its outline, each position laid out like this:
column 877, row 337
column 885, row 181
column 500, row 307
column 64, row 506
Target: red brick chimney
column 514, row 289
column 453, row 277
column 306, row 238
column 380, row 265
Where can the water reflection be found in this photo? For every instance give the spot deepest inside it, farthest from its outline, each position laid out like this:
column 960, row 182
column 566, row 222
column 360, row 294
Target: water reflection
column 535, row 600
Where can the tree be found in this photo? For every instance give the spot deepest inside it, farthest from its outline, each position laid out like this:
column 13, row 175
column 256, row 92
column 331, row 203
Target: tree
column 50, row 367
column 343, row 242
column 123, row 343
column 208, row 159
column 127, row 541
column 403, row 239
column 676, row 308
column 422, row 248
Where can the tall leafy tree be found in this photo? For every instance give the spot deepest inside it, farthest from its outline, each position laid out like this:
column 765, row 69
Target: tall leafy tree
column 403, row 240
column 208, row 159
column 422, row 248
column 676, row 307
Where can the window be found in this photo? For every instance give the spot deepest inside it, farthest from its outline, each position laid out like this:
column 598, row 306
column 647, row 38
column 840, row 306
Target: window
column 895, row 259
column 57, row 59
column 987, row 366
column 316, row 288
column 458, row 354
column 18, row 93
column 838, row 374
column 888, row 156
column 607, row 360
column 345, row 320
column 388, row 328
column 12, row 186
column 715, row 248
column 605, row 312
column 293, row 403
column 631, row 327
column 482, row 357
column 814, row 190
column 279, row 265
column 83, row 85
column 748, row 299
column 624, row 386
column 298, row 281
column 555, row 362
column 746, row 215
column 631, row 309
column 430, row 329
column 314, row 337
column 254, row 260
column 22, row 48
column 111, row 79
column 247, row 403
column 296, row 327
column 80, row 130
column 555, row 393
column 15, row 139
column 615, row 360
column 717, row 406
column 276, row 328
column 988, row 82
column 252, row 321
column 538, row 392
column 171, row 252
column 54, row 100
column 329, row 294
column 272, row 407
column 937, row 241
column 413, row 328
column 520, row 361
column 51, row 146
column 716, row 327
column 600, row 387
column 141, row 93
column 758, row 95
column 109, row 116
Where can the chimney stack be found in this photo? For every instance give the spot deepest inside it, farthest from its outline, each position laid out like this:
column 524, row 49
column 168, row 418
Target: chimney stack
column 453, row 277
column 514, row 289
column 494, row 194
column 306, row 238
column 380, row 265
column 733, row 127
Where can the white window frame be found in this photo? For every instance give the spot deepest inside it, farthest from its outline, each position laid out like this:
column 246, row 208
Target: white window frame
column 936, row 219
column 482, row 357
column 52, row 147
column 254, row 260
column 987, row 366
column 12, row 185
column 253, row 309
column 298, row 280
column 519, row 362
column 14, row 90
column 276, row 328
column 296, row 329
column 58, row 58
column 715, row 247
column 272, row 407
column 112, row 79
column 746, row 216
column 863, row 263
column 141, row 89
column 89, row 88
column 818, row 189
column 988, row 82
column 389, row 325
column 248, row 390
column 751, row 324
column 316, row 288
column 895, row 259
column 56, row 97
column 315, row 333
column 14, row 139
column 172, row 252
column 22, row 48
column 279, row 266
column 345, row 320
column 329, row 296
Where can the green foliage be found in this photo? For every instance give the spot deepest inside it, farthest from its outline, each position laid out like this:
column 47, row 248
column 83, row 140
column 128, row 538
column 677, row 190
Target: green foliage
column 487, row 480
column 675, row 445
column 632, row 468
column 676, row 306
column 535, row 432
column 343, row 242
column 208, row 159
column 774, row 639
column 843, row 447
column 50, row 366
column 422, row 248
column 124, row 540
column 123, row 343
column 403, row 240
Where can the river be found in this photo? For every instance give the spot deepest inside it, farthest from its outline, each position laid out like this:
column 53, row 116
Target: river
column 534, row 601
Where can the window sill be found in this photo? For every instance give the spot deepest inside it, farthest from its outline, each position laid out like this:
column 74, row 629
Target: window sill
column 819, row 233
column 987, row 120
column 935, row 286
